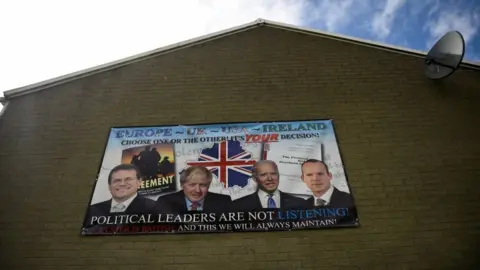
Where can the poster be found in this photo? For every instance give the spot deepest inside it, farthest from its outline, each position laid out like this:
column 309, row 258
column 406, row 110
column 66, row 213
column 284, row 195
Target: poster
column 232, row 177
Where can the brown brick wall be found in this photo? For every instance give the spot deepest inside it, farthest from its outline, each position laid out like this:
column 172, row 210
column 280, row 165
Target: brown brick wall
column 410, row 147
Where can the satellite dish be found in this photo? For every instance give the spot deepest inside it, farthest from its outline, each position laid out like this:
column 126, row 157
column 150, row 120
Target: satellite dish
column 445, row 56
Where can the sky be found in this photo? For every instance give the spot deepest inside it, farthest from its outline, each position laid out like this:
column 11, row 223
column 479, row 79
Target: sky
column 44, row 39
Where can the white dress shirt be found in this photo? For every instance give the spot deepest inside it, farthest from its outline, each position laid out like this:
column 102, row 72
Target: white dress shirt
column 189, row 204
column 263, row 196
column 326, row 196
column 121, row 206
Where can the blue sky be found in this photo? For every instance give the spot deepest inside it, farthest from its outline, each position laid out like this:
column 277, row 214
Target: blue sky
column 51, row 38
column 414, row 24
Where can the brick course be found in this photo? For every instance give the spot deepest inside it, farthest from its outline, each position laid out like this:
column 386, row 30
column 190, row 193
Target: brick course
column 409, row 144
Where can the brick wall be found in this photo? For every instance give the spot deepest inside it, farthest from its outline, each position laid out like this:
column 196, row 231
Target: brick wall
column 410, row 147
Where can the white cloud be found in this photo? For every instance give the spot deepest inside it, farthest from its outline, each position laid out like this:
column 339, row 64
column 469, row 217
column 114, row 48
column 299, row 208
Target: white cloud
column 332, row 14
column 466, row 22
column 46, row 39
column 382, row 21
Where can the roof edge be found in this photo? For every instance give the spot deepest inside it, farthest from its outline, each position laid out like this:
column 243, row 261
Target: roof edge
column 360, row 41
column 24, row 90
column 27, row 89
column 4, row 108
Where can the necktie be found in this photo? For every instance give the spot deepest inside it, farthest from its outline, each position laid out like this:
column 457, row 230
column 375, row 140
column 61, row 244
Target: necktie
column 194, row 206
column 320, row 202
column 271, row 202
column 119, row 208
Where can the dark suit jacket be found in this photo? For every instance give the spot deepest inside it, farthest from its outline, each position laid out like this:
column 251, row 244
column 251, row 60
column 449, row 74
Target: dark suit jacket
column 339, row 199
column 175, row 203
column 252, row 202
column 139, row 205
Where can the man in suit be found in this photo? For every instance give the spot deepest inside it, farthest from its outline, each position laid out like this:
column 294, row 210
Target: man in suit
column 317, row 177
column 123, row 183
column 194, row 196
column 265, row 173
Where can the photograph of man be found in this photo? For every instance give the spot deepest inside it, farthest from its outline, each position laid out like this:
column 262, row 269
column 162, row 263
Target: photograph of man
column 265, row 173
column 194, row 196
column 123, row 183
column 317, row 177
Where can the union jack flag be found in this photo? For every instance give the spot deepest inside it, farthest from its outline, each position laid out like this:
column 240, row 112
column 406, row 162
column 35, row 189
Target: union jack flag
column 228, row 161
